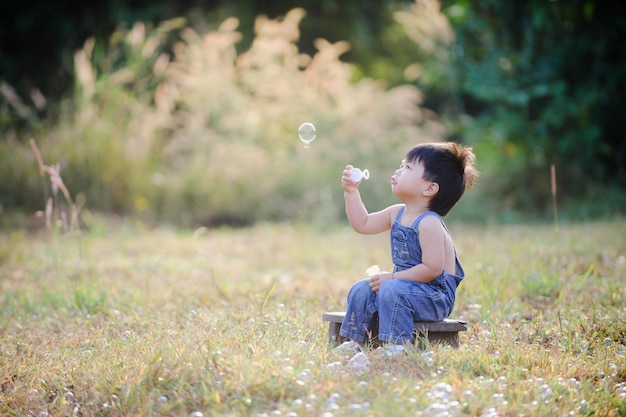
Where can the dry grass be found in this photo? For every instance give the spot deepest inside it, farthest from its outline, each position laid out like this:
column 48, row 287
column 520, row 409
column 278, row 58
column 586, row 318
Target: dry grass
column 128, row 321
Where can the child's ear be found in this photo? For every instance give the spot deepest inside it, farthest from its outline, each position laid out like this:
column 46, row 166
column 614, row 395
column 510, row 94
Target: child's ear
column 432, row 189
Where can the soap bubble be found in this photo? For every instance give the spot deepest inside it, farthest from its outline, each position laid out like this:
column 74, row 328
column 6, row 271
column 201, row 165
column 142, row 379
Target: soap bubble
column 359, row 363
column 307, row 133
column 436, row 410
column 347, row 348
column 441, row 391
column 356, row 174
column 545, row 392
column 428, row 358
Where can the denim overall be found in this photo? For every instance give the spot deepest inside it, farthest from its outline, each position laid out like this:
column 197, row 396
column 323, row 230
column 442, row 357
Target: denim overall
column 400, row 303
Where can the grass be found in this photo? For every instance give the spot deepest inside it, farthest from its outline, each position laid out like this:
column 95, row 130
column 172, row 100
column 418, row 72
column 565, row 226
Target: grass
column 127, row 321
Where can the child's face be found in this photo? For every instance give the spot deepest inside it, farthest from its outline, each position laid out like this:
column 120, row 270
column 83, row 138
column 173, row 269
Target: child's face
column 408, row 180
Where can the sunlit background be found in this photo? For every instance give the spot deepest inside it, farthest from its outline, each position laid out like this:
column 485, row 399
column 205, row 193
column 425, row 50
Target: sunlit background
column 188, row 114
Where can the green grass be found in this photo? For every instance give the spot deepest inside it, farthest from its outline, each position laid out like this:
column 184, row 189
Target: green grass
column 128, row 321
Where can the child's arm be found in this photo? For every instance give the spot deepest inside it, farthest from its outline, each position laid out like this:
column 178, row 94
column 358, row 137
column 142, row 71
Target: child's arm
column 362, row 221
column 432, row 238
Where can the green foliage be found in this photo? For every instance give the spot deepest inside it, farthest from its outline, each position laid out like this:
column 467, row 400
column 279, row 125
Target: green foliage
column 526, row 84
column 207, row 135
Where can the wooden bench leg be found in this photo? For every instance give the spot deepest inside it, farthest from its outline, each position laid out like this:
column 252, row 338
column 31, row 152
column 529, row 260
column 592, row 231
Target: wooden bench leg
column 333, row 333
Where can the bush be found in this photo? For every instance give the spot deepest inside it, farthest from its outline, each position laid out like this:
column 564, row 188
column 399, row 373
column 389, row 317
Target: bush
column 205, row 134
column 526, row 85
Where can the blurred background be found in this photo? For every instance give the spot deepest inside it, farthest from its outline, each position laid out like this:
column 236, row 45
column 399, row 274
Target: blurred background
column 186, row 113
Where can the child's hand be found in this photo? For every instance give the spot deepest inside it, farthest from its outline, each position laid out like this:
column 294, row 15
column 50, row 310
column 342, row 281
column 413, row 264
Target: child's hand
column 379, row 279
column 349, row 186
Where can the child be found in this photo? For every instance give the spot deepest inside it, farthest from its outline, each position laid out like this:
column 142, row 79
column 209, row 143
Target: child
column 427, row 272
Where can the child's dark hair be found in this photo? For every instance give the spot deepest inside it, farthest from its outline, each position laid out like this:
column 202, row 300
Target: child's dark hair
column 450, row 165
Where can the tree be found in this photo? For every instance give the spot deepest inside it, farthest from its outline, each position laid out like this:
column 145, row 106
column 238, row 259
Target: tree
column 532, row 84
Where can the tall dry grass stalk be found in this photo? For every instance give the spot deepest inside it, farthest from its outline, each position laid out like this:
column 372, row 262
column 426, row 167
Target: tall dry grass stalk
column 555, row 210
column 62, row 214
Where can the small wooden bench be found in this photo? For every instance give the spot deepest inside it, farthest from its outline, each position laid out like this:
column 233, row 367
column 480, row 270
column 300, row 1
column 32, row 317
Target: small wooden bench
column 443, row 332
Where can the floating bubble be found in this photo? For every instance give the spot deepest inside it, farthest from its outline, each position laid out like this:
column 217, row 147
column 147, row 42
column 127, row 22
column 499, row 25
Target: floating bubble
column 428, row 358
column 441, row 391
column 307, row 133
column 69, row 397
column 347, row 348
column 334, row 366
column 359, row 363
column 436, row 410
column 545, row 392
column 499, row 398
column 356, row 174
column 490, row 412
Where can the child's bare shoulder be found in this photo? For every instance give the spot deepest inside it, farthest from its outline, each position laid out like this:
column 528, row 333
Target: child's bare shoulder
column 431, row 223
column 392, row 211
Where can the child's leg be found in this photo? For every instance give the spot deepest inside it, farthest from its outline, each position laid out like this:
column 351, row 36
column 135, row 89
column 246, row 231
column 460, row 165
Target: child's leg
column 361, row 308
column 401, row 303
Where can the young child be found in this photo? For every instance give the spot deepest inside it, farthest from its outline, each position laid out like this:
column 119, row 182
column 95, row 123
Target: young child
column 427, row 272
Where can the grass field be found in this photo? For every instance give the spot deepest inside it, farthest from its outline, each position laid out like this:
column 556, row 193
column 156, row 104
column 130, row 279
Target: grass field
column 127, row 321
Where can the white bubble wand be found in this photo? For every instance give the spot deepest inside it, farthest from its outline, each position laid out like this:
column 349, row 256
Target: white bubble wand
column 357, row 174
